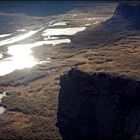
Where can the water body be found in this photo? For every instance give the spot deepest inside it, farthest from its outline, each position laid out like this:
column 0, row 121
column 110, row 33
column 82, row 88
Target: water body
column 63, row 31
column 17, row 38
column 4, row 35
column 22, row 56
column 58, row 24
column 1, row 55
column 21, row 30
column 2, row 109
column 51, row 38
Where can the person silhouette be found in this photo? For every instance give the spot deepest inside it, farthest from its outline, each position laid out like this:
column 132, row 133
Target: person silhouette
column 76, row 66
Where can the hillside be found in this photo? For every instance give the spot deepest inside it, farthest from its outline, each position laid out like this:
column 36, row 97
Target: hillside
column 109, row 45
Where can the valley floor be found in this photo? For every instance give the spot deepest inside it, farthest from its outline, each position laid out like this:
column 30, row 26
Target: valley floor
column 32, row 94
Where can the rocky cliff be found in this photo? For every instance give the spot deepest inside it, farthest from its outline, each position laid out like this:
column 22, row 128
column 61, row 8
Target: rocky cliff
column 128, row 10
column 98, row 106
column 128, row 13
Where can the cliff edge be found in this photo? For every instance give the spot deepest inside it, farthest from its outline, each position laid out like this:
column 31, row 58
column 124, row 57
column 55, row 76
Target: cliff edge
column 98, row 106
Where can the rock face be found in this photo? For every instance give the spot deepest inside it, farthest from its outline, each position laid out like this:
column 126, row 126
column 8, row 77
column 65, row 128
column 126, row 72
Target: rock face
column 98, row 106
column 129, row 11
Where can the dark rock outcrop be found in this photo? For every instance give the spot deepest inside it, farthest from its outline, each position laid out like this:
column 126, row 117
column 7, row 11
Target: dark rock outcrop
column 128, row 10
column 98, row 106
column 127, row 13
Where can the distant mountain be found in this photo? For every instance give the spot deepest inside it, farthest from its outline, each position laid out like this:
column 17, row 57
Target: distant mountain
column 41, row 8
column 123, row 23
column 128, row 10
column 128, row 14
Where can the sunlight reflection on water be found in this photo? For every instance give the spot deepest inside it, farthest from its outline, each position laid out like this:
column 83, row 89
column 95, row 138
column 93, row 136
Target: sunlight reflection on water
column 2, row 109
column 63, row 31
column 17, row 38
column 21, row 55
column 58, row 24
column 4, row 35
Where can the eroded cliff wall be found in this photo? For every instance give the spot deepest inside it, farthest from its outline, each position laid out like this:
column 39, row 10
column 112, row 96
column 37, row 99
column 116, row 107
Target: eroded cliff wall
column 129, row 11
column 98, row 106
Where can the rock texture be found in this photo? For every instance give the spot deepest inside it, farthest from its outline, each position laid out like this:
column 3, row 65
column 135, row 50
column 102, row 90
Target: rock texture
column 128, row 12
column 98, row 106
